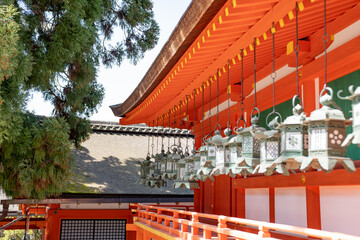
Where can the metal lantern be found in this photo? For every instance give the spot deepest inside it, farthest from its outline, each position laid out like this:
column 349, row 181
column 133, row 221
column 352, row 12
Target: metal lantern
column 144, row 170
column 157, row 162
column 207, row 160
column 235, row 148
column 150, row 178
column 294, row 141
column 196, row 158
column 185, row 175
column 250, row 152
column 327, row 129
column 354, row 137
column 220, row 154
column 170, row 171
column 269, row 147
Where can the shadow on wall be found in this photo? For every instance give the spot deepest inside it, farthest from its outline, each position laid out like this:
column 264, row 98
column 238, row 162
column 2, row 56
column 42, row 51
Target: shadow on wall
column 110, row 174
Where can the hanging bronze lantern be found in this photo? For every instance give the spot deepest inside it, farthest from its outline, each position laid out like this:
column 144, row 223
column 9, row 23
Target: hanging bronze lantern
column 269, row 146
column 294, row 141
column 196, row 158
column 327, row 129
column 235, row 148
column 220, row 154
column 353, row 137
column 250, row 151
column 144, row 170
column 207, row 160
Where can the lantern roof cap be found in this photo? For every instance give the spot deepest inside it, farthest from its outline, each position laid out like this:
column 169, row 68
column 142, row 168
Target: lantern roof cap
column 236, row 139
column 203, row 148
column 217, row 138
column 266, row 134
column 254, row 127
column 326, row 113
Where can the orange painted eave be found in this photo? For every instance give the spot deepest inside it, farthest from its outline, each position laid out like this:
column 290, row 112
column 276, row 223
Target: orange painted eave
column 221, row 42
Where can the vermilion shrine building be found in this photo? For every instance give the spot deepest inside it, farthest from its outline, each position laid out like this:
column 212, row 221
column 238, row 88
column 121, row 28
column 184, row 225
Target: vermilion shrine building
column 210, row 35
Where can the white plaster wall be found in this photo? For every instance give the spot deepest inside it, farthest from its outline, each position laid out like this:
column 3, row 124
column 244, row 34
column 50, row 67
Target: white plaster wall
column 340, row 209
column 257, row 204
column 290, row 206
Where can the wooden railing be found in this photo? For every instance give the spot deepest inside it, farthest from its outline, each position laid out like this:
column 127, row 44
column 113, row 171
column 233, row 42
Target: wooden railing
column 187, row 225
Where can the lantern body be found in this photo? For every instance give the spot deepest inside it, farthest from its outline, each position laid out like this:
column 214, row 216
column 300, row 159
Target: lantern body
column 180, row 172
column 327, row 129
column 207, row 159
column 250, row 152
column 185, row 180
column 144, row 171
column 170, row 171
column 294, row 142
column 217, row 140
column 235, row 149
column 353, row 137
column 193, row 174
column 270, row 142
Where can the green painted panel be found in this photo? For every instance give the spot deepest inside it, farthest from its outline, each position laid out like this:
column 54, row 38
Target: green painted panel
column 353, row 151
column 285, row 110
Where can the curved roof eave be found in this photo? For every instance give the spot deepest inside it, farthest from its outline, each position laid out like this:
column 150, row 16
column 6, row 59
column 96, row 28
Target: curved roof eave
column 194, row 20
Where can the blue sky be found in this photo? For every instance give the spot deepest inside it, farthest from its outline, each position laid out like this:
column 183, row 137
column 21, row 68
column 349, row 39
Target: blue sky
column 119, row 82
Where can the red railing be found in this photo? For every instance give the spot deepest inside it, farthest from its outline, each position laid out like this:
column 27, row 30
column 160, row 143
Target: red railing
column 187, row 225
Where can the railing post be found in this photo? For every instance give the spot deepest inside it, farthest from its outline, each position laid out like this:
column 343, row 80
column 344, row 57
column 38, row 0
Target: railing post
column 147, row 214
column 195, row 219
column 264, row 232
column 222, row 224
column 159, row 219
column 184, row 227
column 175, row 224
column 207, row 234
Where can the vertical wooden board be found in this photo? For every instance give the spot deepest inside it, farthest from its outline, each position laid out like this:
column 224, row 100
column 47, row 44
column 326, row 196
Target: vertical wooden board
column 233, row 199
column 290, row 206
column 240, row 203
column 340, row 209
column 257, row 204
column 313, row 207
column 272, row 205
column 208, row 196
column 197, row 200
column 222, row 202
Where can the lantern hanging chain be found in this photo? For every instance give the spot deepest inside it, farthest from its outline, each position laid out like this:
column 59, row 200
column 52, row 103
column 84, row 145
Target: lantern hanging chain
column 152, row 140
column 297, row 49
column 228, row 93
column 148, row 153
column 217, row 96
column 273, row 74
column 242, row 84
column 202, row 113
column 325, row 40
column 175, row 124
column 210, row 107
column 194, row 116
column 255, row 101
column 162, row 134
column 157, row 137
column 169, row 131
column 187, row 122
column 180, row 120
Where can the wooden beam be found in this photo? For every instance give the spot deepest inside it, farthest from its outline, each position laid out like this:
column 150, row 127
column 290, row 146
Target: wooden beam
column 338, row 177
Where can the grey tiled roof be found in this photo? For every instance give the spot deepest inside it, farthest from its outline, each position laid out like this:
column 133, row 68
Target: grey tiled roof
column 106, row 162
